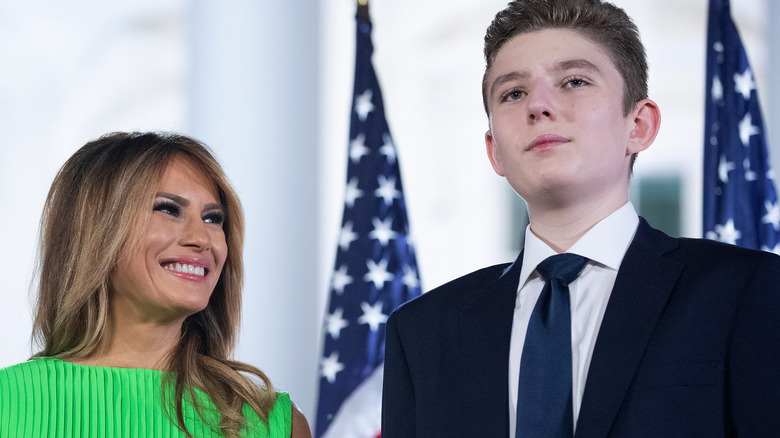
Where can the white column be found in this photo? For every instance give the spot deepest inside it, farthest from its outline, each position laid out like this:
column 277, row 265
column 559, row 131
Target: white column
column 253, row 89
column 772, row 106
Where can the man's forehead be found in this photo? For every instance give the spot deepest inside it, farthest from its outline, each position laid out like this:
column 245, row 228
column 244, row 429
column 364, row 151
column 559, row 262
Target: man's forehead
column 551, row 42
column 549, row 49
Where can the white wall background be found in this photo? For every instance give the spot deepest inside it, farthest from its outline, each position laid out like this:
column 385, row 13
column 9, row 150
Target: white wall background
column 267, row 84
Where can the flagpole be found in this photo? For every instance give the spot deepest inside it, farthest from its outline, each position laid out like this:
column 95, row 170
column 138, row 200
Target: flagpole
column 362, row 10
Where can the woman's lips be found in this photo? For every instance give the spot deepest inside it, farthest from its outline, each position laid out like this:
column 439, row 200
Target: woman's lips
column 187, row 267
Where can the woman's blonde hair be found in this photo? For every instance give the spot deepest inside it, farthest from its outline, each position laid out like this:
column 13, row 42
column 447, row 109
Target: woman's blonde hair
column 100, row 197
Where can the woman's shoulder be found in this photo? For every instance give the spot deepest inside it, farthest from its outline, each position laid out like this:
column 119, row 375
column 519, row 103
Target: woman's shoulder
column 299, row 426
column 279, row 419
column 48, row 377
column 34, row 362
column 286, row 420
column 26, row 370
column 283, row 402
column 42, row 367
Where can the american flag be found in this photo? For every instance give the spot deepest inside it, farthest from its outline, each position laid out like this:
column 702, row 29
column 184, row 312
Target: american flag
column 375, row 270
column 740, row 200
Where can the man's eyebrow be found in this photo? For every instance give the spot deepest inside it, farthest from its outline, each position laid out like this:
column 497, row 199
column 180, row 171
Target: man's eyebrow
column 576, row 63
column 559, row 67
column 508, row 77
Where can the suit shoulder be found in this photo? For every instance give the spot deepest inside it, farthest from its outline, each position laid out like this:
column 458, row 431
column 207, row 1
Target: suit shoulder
column 714, row 252
column 692, row 251
column 448, row 293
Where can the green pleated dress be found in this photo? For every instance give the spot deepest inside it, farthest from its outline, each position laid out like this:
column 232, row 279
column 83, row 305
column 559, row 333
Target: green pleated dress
column 53, row 398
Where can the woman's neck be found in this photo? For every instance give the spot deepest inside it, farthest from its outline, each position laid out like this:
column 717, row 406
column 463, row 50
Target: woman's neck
column 132, row 344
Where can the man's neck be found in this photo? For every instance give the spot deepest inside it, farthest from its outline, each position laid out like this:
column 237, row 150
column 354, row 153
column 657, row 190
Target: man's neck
column 561, row 227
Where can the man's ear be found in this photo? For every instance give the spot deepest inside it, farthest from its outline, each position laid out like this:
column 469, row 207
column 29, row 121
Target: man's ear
column 647, row 121
column 492, row 153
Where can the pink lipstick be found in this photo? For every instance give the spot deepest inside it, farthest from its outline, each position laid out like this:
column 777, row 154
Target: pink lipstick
column 189, row 268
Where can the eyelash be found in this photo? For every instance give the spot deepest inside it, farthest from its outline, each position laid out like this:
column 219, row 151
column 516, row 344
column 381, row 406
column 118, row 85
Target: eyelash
column 568, row 81
column 215, row 217
column 167, row 208
column 509, row 93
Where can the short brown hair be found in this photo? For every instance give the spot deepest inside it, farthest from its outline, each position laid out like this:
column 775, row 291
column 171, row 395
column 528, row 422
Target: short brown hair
column 603, row 23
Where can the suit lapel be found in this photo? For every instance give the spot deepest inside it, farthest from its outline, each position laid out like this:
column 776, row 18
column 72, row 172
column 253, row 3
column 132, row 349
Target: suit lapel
column 484, row 332
column 643, row 285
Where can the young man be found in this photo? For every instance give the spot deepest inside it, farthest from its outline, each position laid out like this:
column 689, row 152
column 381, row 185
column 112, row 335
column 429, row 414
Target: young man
column 645, row 335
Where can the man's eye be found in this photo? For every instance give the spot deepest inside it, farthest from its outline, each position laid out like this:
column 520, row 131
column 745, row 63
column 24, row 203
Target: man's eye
column 576, row 82
column 513, row 95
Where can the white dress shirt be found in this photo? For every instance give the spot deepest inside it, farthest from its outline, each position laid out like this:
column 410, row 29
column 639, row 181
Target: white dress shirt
column 604, row 245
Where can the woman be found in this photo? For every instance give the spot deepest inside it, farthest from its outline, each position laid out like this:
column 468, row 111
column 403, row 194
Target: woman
column 139, row 303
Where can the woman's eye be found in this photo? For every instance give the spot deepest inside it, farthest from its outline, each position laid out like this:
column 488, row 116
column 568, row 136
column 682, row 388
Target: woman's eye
column 167, row 208
column 214, row 218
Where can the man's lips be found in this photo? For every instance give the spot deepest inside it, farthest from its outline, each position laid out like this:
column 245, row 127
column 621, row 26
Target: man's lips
column 547, row 140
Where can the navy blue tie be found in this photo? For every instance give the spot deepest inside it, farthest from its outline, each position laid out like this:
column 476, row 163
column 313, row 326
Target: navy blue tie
column 544, row 390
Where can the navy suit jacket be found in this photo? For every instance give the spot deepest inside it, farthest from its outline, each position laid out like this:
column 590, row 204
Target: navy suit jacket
column 689, row 347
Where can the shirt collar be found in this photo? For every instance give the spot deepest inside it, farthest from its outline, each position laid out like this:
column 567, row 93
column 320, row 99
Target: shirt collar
column 605, row 243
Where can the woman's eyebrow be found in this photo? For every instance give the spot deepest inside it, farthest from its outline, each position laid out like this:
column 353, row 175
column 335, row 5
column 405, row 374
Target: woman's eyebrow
column 175, row 198
column 184, row 202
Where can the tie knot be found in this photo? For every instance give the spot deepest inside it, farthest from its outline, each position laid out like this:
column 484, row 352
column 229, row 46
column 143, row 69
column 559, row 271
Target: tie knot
column 565, row 267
